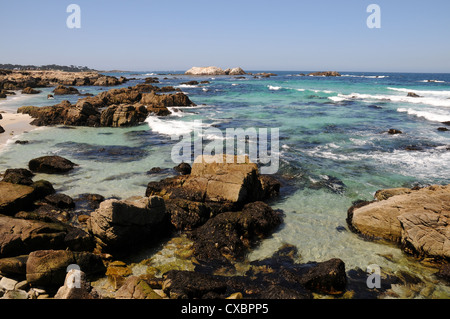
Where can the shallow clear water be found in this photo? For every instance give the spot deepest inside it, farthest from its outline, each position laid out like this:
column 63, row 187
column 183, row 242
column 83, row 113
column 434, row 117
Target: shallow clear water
column 334, row 149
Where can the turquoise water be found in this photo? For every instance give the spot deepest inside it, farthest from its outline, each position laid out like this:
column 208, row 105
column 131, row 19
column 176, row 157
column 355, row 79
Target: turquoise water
column 334, row 150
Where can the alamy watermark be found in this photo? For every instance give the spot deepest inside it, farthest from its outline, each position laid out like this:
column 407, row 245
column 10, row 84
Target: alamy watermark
column 73, row 278
column 374, row 276
column 374, row 20
column 255, row 144
column 73, row 21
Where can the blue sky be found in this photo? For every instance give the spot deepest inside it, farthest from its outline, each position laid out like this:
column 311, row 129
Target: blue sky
column 253, row 34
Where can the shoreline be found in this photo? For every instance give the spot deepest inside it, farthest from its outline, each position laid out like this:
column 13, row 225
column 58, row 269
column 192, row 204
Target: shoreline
column 14, row 125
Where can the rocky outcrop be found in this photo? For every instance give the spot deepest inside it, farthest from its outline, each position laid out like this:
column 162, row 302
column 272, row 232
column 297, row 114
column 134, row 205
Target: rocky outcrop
column 115, row 108
column 64, row 113
column 51, row 165
column 326, row 73
column 412, row 94
column 215, row 185
column 418, row 219
column 211, row 70
column 119, row 225
column 123, row 115
column 63, row 90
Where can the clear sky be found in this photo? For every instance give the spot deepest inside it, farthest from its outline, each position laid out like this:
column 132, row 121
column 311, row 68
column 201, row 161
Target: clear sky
column 253, row 34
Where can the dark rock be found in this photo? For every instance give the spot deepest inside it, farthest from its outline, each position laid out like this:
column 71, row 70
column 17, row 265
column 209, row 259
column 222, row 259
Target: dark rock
column 42, row 188
column 51, row 165
column 228, row 236
column 18, row 176
column 443, row 129
column 2, row 130
column 446, row 123
column 412, row 94
column 88, row 202
column 183, row 168
column 22, row 142
column 394, row 131
column 60, row 200
column 185, row 214
column 326, row 73
column 327, row 277
column 444, row 273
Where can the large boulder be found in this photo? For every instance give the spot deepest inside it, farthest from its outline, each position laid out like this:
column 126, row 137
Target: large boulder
column 22, row 236
column 49, row 267
column 119, row 225
column 123, row 115
column 15, row 197
column 418, row 219
column 51, row 165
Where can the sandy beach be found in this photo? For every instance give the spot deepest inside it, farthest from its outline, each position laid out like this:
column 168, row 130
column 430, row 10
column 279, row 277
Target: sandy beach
column 13, row 124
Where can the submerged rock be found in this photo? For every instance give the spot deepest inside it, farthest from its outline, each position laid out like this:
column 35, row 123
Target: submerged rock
column 51, row 165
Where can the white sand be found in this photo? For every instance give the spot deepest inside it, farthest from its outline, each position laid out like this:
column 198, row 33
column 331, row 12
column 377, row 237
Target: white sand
column 14, row 124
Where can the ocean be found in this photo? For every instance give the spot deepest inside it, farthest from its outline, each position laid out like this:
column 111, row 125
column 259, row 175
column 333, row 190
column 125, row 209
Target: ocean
column 334, row 150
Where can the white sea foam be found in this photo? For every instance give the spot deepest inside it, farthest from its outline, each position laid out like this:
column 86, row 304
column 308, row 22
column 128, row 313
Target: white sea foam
column 274, row 88
column 444, row 94
column 365, row 76
column 187, row 86
column 432, row 100
column 432, row 81
column 173, row 127
column 431, row 115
